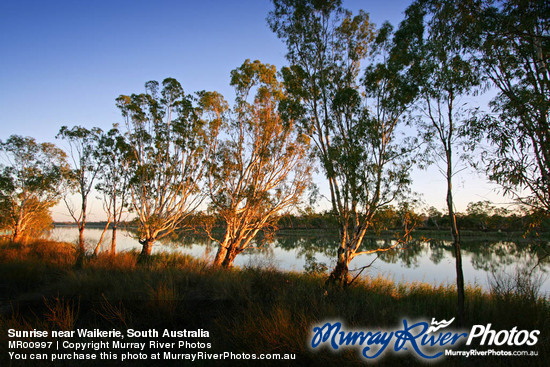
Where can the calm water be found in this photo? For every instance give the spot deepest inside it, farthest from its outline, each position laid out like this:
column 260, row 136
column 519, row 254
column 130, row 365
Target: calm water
column 432, row 262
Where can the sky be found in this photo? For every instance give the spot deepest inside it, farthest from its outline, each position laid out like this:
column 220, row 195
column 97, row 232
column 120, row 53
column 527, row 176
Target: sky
column 64, row 62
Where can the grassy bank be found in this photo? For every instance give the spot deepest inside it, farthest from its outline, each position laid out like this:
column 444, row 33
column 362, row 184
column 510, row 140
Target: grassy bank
column 245, row 310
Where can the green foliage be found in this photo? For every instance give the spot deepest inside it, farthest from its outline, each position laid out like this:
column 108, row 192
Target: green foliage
column 443, row 75
column 83, row 157
column 114, row 177
column 113, row 150
column 30, row 184
column 166, row 143
column 85, row 166
column 512, row 43
column 259, row 165
column 351, row 121
column 441, row 71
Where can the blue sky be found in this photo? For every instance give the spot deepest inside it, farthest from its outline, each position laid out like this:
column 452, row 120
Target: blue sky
column 65, row 62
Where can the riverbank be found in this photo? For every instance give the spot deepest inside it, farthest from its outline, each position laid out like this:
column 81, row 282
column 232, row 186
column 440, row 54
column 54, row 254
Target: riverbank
column 518, row 234
column 244, row 310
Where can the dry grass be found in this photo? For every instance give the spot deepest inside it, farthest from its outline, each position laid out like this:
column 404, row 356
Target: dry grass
column 55, row 253
column 251, row 310
column 61, row 314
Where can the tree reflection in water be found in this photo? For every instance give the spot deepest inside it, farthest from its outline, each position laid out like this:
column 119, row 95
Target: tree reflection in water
column 420, row 259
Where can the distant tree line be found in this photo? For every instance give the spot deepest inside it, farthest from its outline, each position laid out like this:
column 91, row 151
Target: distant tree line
column 367, row 103
column 479, row 216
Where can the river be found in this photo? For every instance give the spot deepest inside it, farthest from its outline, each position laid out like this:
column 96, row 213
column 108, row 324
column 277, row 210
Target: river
column 421, row 260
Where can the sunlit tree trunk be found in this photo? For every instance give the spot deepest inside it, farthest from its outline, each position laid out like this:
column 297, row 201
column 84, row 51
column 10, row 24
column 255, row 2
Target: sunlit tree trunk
column 17, row 234
column 222, row 252
column 17, row 230
column 98, row 246
column 113, row 240
column 230, row 257
column 220, row 256
column 145, row 250
column 81, row 227
column 340, row 273
column 227, row 252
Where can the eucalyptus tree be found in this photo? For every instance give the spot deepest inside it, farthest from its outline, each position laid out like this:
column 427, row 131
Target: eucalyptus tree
column 114, row 180
column 480, row 213
column 85, row 166
column 167, row 149
column 353, row 123
column 260, row 165
column 511, row 39
column 433, row 39
column 31, row 176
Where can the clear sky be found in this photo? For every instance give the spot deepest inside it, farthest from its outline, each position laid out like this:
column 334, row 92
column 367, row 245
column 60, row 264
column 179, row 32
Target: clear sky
column 65, row 62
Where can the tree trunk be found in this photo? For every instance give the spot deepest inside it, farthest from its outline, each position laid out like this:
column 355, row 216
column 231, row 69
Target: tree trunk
column 230, row 257
column 81, row 251
column 340, row 273
column 222, row 250
column 81, row 247
column 456, row 246
column 98, row 246
column 17, row 234
column 81, row 226
column 113, row 240
column 145, row 254
column 18, row 230
column 220, row 255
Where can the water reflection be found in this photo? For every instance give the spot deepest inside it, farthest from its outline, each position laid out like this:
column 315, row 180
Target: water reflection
column 419, row 260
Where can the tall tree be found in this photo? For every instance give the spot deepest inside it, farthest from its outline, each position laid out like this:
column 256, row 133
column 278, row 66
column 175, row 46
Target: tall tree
column 512, row 41
column 114, row 180
column 432, row 33
column 167, row 142
column 353, row 127
column 85, row 166
column 30, row 183
column 262, row 167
